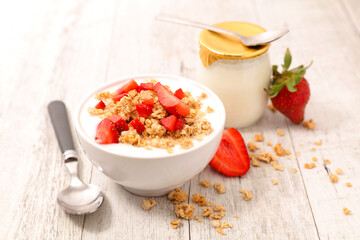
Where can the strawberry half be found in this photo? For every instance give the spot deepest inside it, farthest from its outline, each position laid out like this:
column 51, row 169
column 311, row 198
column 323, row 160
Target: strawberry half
column 100, row 105
column 231, row 158
column 169, row 122
column 171, row 103
column 137, row 125
column 292, row 99
column 146, row 86
column 118, row 97
column 106, row 132
column 127, row 87
column 120, row 124
column 179, row 94
column 143, row 110
column 149, row 102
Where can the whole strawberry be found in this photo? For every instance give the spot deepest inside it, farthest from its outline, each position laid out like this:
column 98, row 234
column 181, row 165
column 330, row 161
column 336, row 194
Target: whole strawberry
column 289, row 90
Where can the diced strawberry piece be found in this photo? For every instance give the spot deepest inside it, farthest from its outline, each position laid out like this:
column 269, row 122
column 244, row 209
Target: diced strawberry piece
column 149, row 102
column 119, row 123
column 179, row 123
column 231, row 158
column 169, row 122
column 146, row 86
column 179, row 94
column 143, row 110
column 118, row 97
column 137, row 125
column 100, row 105
column 171, row 103
column 106, row 132
column 130, row 85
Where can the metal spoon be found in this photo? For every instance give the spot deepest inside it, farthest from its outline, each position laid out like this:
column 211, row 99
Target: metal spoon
column 262, row 38
column 78, row 198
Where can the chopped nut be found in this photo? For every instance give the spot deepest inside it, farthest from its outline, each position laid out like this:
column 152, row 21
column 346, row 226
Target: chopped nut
column 309, row 165
column 275, row 181
column 205, row 183
column 148, row 204
column 334, row 178
column 294, row 170
column 220, row 188
column 197, row 218
column 218, row 208
column 280, row 132
column 215, row 223
column 348, row 184
column 252, row 147
column 199, row 199
column 246, row 194
column 346, row 211
column 206, row 211
column 177, row 196
column 327, row 162
column 184, row 210
column 318, row 143
column 269, row 143
column 272, row 108
column 339, row 171
column 209, row 109
column 310, row 124
column 175, row 224
column 314, row 159
column 259, row 137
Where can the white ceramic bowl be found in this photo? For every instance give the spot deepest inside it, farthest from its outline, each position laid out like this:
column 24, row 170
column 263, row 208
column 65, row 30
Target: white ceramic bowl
column 150, row 172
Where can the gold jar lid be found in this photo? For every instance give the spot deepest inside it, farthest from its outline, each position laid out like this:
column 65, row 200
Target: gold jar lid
column 215, row 46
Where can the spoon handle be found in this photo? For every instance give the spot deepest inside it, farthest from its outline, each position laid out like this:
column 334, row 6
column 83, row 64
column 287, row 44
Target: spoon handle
column 60, row 122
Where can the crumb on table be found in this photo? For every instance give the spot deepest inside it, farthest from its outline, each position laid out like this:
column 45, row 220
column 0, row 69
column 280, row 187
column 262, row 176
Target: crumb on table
column 339, row 171
column 259, row 137
column 246, row 194
column 175, row 224
column 346, row 211
column 309, row 124
column 148, row 204
column 334, row 178
column 220, row 188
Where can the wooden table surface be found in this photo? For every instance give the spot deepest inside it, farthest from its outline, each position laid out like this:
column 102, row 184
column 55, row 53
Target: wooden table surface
column 62, row 49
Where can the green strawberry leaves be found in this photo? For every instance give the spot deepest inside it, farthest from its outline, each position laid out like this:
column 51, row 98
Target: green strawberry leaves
column 289, row 78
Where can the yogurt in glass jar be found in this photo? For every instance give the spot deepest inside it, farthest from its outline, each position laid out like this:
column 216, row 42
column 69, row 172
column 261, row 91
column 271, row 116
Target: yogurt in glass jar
column 236, row 73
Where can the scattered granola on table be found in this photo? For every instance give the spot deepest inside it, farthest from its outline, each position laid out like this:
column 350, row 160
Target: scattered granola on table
column 327, row 162
column 294, row 170
column 197, row 218
column 206, row 211
column 314, row 159
column 280, row 132
column 184, row 210
column 175, row 224
column 339, row 171
column 348, row 184
column 346, row 211
column 148, row 204
column 220, row 188
column 177, row 196
column 199, row 199
column 259, row 137
column 334, row 178
column 309, row 165
column 309, row 124
column 275, row 181
column 205, row 183
column 246, row 194
column 218, row 208
column 252, row 146
column 318, row 143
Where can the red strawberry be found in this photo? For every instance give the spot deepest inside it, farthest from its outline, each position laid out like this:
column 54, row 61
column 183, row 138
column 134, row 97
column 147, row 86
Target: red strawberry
column 179, row 123
column 137, row 125
column 130, row 85
column 100, row 105
column 106, row 132
column 119, row 123
column 169, row 122
column 231, row 158
column 143, row 110
column 118, row 97
column 171, row 103
column 292, row 99
column 149, row 102
column 146, row 86
column 179, row 94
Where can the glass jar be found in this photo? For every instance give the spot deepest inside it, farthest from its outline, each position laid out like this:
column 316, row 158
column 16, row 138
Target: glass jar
column 236, row 73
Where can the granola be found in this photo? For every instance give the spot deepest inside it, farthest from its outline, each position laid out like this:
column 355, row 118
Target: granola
column 175, row 224
column 309, row 165
column 334, row 178
column 246, row 194
column 280, row 132
column 148, row 204
column 346, row 211
column 252, row 146
column 206, row 211
column 220, row 188
column 275, row 181
column 309, row 124
column 339, row 171
column 197, row 218
column 177, row 196
column 259, row 137
column 199, row 199
column 205, row 183
column 218, row 208
column 184, row 210
column 348, row 184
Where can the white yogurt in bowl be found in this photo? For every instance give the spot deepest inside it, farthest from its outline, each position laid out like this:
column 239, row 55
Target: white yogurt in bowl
column 150, row 172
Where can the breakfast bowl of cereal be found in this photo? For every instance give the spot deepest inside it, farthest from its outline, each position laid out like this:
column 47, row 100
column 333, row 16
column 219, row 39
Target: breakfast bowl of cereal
column 150, row 133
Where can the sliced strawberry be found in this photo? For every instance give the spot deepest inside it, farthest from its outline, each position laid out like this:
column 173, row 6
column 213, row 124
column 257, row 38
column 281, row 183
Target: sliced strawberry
column 179, row 123
column 146, row 86
column 118, row 97
column 100, row 105
column 171, row 103
column 120, row 124
column 137, row 125
column 169, row 122
column 149, row 102
column 106, row 132
column 143, row 110
column 179, row 94
column 231, row 158
column 130, row 85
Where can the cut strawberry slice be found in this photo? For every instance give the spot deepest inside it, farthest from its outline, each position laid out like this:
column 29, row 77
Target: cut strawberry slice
column 149, row 102
column 231, row 158
column 120, row 124
column 143, row 110
column 169, row 122
column 179, row 94
column 100, row 105
column 118, row 97
column 106, row 132
column 179, row 123
column 137, row 125
column 146, row 86
column 171, row 103
column 130, row 85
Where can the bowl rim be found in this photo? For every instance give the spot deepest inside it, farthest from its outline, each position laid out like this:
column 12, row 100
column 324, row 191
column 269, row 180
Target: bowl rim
column 80, row 131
